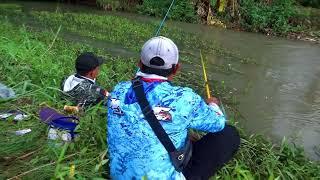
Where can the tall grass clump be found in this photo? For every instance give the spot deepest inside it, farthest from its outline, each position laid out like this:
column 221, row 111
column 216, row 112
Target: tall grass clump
column 115, row 29
column 34, row 66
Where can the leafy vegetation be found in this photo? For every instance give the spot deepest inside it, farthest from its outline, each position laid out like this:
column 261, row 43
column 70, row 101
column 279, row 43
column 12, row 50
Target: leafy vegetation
column 33, row 63
column 310, row 3
column 181, row 11
column 277, row 17
column 127, row 5
column 102, row 28
column 259, row 16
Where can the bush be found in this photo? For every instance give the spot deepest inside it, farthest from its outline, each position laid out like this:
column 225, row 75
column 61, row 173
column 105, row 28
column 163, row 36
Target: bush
column 310, row 3
column 259, row 16
column 181, row 10
column 127, row 5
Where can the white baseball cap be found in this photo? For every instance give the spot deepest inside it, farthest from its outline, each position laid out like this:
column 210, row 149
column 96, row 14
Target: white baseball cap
column 159, row 48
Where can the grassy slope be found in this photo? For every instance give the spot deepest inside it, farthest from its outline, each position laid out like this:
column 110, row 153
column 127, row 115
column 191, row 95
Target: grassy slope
column 33, row 64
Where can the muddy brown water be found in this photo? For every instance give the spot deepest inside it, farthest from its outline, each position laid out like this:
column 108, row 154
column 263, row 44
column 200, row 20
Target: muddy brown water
column 282, row 93
column 279, row 96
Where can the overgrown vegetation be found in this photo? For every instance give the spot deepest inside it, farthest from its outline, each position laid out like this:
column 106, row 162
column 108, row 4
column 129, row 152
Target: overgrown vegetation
column 277, row 17
column 182, row 10
column 310, row 3
column 127, row 5
column 258, row 16
column 33, row 63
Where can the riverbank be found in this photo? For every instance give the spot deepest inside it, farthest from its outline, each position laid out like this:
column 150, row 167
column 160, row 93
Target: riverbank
column 300, row 23
column 35, row 55
column 287, row 18
column 305, row 26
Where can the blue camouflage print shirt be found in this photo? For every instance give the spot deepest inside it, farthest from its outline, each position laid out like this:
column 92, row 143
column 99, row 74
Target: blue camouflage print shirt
column 134, row 150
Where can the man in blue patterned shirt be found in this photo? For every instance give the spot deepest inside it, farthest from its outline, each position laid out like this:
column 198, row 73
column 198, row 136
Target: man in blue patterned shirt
column 135, row 151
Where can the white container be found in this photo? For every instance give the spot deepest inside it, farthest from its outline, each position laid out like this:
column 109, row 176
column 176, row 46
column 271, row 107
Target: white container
column 53, row 134
column 22, row 132
column 56, row 134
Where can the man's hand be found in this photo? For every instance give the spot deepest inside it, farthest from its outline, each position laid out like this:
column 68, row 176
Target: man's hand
column 194, row 137
column 213, row 100
column 105, row 93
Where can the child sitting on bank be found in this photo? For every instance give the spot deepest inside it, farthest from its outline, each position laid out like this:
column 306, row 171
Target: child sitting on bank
column 81, row 88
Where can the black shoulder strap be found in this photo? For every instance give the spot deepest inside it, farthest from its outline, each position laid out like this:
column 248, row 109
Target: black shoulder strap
column 150, row 117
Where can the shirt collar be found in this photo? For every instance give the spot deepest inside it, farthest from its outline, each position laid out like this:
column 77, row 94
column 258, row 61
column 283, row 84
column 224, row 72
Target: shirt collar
column 151, row 76
column 83, row 77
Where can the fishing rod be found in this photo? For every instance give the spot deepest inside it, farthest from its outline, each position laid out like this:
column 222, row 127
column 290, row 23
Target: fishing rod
column 205, row 77
column 207, row 85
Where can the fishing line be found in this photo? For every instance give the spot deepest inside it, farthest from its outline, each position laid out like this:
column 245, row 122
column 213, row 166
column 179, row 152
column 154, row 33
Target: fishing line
column 164, row 19
column 162, row 23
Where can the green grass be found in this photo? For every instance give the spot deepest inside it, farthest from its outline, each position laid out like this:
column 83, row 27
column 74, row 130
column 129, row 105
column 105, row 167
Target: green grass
column 33, row 63
column 127, row 32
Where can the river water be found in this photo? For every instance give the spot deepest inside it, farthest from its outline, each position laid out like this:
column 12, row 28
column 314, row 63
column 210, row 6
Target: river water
column 279, row 96
column 282, row 92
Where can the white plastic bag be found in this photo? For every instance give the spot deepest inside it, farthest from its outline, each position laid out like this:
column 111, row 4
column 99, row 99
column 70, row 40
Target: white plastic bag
column 6, row 92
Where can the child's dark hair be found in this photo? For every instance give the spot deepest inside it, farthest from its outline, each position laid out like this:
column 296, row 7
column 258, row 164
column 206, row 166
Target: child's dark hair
column 82, row 73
